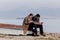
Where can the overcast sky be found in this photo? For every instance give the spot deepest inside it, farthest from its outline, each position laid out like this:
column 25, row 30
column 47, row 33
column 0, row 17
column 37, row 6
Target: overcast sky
column 21, row 8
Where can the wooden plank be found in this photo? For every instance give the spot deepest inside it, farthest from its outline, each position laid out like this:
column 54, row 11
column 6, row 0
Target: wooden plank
column 11, row 26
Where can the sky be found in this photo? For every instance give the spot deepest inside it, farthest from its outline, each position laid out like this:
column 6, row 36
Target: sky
column 21, row 8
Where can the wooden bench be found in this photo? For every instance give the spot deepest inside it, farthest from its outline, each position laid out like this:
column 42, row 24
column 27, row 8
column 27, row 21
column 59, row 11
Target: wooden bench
column 11, row 26
column 16, row 27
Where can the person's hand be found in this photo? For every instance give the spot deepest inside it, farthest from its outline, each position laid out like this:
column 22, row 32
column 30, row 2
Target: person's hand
column 41, row 22
column 36, row 23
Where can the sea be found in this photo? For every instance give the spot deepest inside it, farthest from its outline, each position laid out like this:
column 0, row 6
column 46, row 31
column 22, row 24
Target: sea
column 50, row 25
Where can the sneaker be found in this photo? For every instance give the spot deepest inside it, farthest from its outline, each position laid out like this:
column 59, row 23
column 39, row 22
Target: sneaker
column 43, row 35
column 34, row 34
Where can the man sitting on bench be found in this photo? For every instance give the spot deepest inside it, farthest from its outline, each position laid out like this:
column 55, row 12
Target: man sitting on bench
column 38, row 24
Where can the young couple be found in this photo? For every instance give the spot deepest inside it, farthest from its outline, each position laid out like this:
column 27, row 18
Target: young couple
column 31, row 23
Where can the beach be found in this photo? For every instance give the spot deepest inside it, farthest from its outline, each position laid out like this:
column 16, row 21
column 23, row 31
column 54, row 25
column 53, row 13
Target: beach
column 49, row 36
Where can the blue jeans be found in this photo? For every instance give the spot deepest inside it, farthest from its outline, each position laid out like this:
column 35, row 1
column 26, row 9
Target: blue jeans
column 32, row 25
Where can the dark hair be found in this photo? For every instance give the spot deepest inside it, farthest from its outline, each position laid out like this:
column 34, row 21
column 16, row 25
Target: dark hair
column 37, row 15
column 30, row 14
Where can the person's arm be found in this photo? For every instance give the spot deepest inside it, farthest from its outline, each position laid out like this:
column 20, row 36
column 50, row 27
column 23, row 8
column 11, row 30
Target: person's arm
column 39, row 22
column 26, row 21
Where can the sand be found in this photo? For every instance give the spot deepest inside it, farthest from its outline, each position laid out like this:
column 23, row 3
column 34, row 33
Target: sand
column 47, row 37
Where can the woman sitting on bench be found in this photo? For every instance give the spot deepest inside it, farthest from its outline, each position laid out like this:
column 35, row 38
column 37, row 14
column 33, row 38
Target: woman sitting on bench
column 26, row 22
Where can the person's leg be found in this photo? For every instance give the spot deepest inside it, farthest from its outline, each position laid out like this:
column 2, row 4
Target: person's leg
column 40, row 28
column 35, row 29
column 30, row 28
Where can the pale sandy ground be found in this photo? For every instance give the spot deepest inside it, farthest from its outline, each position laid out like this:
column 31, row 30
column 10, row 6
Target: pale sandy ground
column 48, row 37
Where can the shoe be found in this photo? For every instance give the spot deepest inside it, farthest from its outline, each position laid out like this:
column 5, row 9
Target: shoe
column 34, row 34
column 43, row 35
